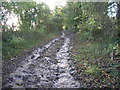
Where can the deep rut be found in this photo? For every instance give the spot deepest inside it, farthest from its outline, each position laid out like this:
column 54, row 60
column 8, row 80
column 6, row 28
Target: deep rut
column 47, row 67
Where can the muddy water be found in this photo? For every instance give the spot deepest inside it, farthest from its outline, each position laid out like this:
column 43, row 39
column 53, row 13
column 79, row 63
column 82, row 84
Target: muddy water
column 47, row 67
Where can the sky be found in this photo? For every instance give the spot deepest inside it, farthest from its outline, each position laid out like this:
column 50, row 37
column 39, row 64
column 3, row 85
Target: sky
column 53, row 3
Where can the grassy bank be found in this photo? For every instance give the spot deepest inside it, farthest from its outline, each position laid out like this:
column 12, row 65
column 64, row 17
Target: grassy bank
column 95, row 66
column 16, row 42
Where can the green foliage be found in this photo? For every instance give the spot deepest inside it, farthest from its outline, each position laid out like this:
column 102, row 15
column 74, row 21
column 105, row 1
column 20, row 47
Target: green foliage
column 94, row 70
column 93, row 60
column 16, row 42
column 95, row 34
column 35, row 22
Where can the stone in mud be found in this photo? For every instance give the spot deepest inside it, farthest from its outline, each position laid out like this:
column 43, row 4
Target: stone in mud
column 18, row 76
column 33, row 56
column 10, row 79
column 72, row 72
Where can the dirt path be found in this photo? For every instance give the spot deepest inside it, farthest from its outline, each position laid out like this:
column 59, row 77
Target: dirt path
column 46, row 67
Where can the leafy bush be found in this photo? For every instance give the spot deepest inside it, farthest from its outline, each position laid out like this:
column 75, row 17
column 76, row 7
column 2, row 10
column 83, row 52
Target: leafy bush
column 17, row 40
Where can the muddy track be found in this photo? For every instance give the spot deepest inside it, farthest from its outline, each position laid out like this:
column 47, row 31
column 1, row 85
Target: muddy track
column 47, row 67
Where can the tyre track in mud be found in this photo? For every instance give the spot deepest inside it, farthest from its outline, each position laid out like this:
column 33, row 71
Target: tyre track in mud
column 46, row 67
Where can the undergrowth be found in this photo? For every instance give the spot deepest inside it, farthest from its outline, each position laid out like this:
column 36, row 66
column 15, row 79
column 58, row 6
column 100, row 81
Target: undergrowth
column 94, row 63
column 16, row 42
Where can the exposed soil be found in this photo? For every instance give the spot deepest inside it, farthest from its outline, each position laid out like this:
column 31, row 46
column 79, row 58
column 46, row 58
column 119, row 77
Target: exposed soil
column 48, row 66
column 10, row 65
